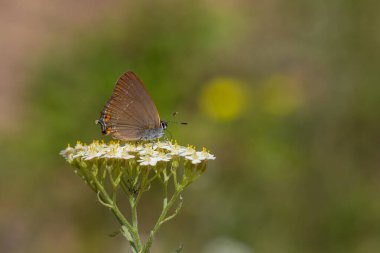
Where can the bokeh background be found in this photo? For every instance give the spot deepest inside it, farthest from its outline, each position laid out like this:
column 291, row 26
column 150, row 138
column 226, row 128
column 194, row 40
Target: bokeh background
column 285, row 93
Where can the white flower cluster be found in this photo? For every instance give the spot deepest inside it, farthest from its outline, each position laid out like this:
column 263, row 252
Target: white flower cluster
column 146, row 154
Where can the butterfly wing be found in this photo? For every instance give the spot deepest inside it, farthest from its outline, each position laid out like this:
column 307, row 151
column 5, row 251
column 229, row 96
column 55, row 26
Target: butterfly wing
column 130, row 110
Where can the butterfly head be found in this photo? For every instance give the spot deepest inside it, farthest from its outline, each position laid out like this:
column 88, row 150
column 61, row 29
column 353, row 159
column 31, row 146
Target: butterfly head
column 164, row 124
column 103, row 121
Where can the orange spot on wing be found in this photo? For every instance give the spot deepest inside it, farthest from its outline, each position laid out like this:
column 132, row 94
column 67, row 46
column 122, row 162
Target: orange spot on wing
column 107, row 117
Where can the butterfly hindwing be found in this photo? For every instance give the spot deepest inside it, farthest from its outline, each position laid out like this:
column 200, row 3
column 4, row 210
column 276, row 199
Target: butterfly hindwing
column 130, row 110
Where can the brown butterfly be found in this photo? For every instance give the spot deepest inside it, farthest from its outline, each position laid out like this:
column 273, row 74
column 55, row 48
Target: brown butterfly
column 130, row 114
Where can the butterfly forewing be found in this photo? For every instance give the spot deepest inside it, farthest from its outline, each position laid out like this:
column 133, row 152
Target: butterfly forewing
column 130, row 109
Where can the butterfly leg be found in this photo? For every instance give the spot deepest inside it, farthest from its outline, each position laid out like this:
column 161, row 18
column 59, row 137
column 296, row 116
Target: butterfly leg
column 166, row 135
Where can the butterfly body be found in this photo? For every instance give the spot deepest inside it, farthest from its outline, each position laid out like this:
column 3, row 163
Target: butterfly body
column 130, row 114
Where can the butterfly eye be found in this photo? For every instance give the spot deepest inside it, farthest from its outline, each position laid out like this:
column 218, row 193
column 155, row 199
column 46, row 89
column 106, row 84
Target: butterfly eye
column 164, row 125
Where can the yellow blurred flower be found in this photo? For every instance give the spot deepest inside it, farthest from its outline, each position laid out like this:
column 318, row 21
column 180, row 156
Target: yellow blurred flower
column 223, row 99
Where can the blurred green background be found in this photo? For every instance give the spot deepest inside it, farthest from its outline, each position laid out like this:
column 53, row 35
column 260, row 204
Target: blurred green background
column 286, row 94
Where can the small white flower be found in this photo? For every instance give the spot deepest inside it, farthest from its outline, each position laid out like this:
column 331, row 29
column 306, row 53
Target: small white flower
column 79, row 146
column 94, row 150
column 161, row 156
column 148, row 160
column 139, row 147
column 80, row 150
column 194, row 158
column 177, row 150
column 113, row 152
column 187, row 151
column 125, row 155
column 150, row 145
column 162, row 145
column 168, row 145
column 205, row 155
column 148, row 150
column 130, row 147
column 67, row 153
column 112, row 146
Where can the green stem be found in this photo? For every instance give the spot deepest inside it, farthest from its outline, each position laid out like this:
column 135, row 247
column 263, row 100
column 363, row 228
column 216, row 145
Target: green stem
column 166, row 208
column 134, row 201
column 133, row 204
column 130, row 232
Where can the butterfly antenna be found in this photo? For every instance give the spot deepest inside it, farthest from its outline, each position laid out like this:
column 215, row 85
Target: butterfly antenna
column 176, row 122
